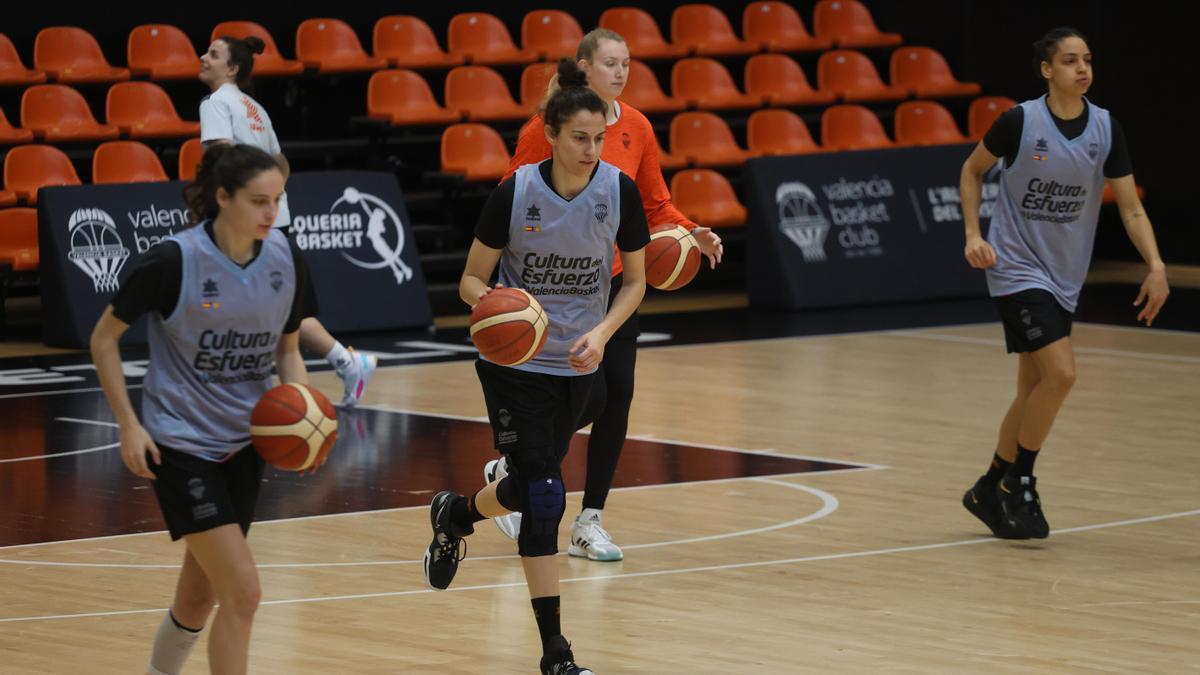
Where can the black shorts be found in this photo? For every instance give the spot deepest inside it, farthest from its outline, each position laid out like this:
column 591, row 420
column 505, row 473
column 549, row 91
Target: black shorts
column 532, row 411
column 198, row 495
column 1032, row 319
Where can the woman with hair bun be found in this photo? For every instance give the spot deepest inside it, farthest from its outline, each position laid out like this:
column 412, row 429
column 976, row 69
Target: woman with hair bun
column 585, row 214
column 229, row 115
column 229, row 275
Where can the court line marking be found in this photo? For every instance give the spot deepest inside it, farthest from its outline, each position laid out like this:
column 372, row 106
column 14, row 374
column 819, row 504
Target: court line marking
column 396, row 509
column 829, row 504
column 1095, row 351
column 84, row 451
column 654, row 573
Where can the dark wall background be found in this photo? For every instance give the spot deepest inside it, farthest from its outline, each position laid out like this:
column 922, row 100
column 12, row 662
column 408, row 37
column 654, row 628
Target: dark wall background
column 1141, row 73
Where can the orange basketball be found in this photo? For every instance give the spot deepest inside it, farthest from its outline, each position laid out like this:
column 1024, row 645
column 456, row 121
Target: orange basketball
column 293, row 426
column 672, row 257
column 509, row 326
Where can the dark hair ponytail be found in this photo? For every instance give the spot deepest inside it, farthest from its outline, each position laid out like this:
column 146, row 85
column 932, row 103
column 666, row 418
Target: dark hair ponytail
column 223, row 166
column 572, row 96
column 241, row 54
column 1045, row 48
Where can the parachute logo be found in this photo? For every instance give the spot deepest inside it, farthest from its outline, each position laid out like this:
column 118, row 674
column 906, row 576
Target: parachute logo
column 801, row 220
column 96, row 248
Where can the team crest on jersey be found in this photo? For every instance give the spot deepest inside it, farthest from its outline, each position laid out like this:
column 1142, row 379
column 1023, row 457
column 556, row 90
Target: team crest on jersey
column 1093, row 150
column 626, row 140
column 601, row 212
column 276, row 280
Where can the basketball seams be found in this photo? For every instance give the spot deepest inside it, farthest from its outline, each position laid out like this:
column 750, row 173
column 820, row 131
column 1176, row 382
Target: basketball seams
column 314, row 428
column 529, row 319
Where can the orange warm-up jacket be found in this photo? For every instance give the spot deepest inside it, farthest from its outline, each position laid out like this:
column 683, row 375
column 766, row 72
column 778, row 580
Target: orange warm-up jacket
column 629, row 145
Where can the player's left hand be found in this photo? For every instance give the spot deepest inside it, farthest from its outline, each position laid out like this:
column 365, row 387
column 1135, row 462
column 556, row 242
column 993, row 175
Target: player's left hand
column 710, row 245
column 588, row 351
column 1154, row 293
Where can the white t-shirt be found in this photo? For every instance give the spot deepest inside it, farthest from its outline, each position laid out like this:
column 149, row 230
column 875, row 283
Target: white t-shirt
column 228, row 114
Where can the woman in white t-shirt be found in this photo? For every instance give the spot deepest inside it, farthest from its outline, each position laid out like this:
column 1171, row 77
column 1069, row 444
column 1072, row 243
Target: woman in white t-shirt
column 230, row 116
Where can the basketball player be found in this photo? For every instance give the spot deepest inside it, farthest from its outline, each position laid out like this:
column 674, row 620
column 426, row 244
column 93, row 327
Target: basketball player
column 633, row 149
column 1057, row 151
column 230, row 116
column 225, row 305
column 552, row 228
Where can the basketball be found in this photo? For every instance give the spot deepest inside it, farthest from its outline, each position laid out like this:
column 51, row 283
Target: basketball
column 509, row 326
column 672, row 257
column 293, row 426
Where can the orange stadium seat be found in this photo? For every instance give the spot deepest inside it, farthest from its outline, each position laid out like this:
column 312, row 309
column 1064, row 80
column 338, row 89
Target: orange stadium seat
column 853, row 77
column 924, row 71
column 10, row 135
column 474, row 151
column 706, row 197
column 56, row 112
column 483, row 39
column 144, row 110
column 30, row 167
column 12, row 69
column 777, row 27
column 778, row 80
column 535, row 79
column 705, row 140
column 190, row 154
column 551, row 34
column 926, row 123
column 403, row 97
column 705, row 83
column 126, row 162
column 852, row 127
column 162, row 52
column 479, row 93
column 983, row 112
column 670, row 162
column 331, row 46
column 779, row 132
column 643, row 92
column 8, row 199
column 641, row 33
column 19, row 239
column 270, row 63
column 705, row 31
column 408, row 42
column 848, row 24
column 69, row 54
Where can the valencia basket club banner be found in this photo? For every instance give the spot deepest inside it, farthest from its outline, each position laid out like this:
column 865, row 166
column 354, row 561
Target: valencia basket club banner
column 858, row 228
column 352, row 227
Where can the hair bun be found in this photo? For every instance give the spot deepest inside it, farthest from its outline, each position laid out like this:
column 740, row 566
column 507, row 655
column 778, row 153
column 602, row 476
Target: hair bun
column 570, row 74
column 255, row 44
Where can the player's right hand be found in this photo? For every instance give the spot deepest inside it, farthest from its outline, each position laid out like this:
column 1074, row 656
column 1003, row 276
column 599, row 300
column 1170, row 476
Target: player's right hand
column 135, row 443
column 979, row 253
column 487, row 290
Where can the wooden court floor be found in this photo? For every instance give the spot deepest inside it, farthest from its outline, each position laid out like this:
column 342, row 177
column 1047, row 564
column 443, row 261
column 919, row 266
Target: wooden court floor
column 876, row 569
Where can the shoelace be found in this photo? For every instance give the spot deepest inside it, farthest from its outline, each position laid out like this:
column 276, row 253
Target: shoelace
column 594, row 531
column 450, row 548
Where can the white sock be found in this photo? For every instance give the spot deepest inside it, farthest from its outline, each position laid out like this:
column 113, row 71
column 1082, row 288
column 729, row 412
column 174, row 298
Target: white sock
column 590, row 514
column 339, row 357
column 172, row 645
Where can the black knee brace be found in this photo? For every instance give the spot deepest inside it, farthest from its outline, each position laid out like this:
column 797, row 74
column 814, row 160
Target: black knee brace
column 545, row 500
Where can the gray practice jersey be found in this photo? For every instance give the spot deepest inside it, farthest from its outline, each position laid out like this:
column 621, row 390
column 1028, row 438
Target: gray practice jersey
column 561, row 252
column 211, row 359
column 1045, row 219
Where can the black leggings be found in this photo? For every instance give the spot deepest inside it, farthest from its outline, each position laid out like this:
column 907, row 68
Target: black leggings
column 612, row 421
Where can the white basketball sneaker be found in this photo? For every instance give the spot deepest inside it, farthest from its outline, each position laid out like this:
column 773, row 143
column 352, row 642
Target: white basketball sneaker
column 589, row 540
column 509, row 523
column 356, row 375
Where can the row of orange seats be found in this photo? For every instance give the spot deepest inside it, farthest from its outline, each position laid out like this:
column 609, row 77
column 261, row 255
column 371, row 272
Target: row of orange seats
column 161, row 51
column 28, row 168
column 479, row 93
column 58, row 113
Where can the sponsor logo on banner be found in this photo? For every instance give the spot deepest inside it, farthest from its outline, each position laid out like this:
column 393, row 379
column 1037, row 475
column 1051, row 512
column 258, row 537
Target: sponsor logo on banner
column 364, row 228
column 801, row 220
column 96, row 248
